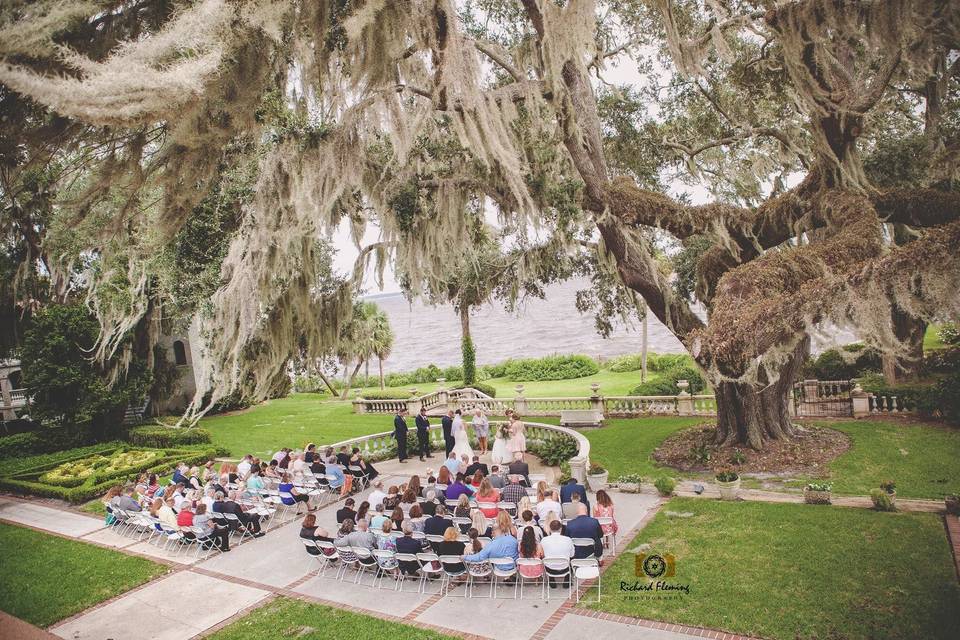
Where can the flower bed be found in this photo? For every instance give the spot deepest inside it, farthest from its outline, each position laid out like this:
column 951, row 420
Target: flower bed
column 91, row 472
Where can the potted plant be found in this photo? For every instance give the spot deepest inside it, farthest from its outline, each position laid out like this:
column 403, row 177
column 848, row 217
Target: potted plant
column 817, row 493
column 885, row 498
column 728, row 482
column 630, row 483
column 952, row 501
column 665, row 485
column 597, row 477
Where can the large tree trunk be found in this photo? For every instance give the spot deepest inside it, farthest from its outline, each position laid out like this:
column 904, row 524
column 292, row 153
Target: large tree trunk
column 750, row 416
column 909, row 331
column 643, row 347
column 326, row 381
column 380, row 365
column 349, row 381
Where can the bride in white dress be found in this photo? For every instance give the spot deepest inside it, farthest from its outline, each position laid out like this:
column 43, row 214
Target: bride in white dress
column 461, row 439
column 500, row 454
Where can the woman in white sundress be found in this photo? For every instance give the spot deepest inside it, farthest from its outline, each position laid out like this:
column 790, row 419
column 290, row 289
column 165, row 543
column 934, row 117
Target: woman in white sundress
column 461, row 439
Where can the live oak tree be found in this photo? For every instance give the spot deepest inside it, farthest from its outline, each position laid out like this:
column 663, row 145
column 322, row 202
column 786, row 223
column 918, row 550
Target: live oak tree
column 775, row 106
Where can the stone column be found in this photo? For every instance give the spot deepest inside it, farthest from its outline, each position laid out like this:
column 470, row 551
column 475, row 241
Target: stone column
column 810, row 391
column 7, row 400
column 684, row 401
column 359, row 406
column 861, row 402
column 596, row 401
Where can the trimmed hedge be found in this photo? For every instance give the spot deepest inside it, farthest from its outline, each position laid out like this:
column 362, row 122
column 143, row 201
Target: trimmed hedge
column 44, row 440
column 551, row 368
column 554, row 451
column 158, row 437
column 666, row 383
column 386, row 394
column 26, row 480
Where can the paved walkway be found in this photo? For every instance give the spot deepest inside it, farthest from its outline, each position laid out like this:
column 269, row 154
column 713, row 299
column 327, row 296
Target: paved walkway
column 276, row 564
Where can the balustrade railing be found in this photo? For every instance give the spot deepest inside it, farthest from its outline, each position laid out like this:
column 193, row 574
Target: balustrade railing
column 640, row 405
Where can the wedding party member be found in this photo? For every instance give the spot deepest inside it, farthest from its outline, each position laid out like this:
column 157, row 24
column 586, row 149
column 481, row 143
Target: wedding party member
column 481, row 427
column 446, row 422
column 518, row 439
column 423, row 433
column 461, row 440
column 500, row 454
column 400, row 433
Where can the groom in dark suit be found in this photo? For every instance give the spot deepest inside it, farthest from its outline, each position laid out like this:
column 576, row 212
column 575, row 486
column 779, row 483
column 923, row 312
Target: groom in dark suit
column 447, row 423
column 400, row 433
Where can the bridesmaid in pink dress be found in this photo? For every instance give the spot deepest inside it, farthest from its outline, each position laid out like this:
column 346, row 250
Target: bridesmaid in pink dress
column 518, row 440
column 604, row 509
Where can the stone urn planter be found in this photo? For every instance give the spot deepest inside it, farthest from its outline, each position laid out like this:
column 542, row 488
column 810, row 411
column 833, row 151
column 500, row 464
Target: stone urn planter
column 729, row 485
column 629, row 483
column 597, row 478
column 817, row 493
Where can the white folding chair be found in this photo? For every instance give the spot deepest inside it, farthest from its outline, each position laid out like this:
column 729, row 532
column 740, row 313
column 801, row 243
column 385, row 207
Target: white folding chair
column 608, row 522
column 403, row 575
column 584, row 570
column 451, row 570
column 365, row 562
column 328, row 555
column 558, row 569
column 585, row 543
column 478, row 570
column 430, row 568
column 386, row 565
column 503, row 569
column 531, row 562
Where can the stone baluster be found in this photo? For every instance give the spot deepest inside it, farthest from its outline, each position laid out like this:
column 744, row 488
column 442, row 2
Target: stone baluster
column 684, row 401
column 519, row 402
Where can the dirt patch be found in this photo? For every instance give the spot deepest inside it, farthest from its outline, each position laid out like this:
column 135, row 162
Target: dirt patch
column 808, row 453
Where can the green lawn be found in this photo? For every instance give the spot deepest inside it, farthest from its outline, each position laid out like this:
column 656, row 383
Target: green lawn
column 44, row 578
column 786, row 571
column 286, row 618
column 920, row 457
column 931, row 339
column 611, row 383
column 626, row 445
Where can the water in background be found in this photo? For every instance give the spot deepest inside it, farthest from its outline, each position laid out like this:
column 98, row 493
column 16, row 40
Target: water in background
column 427, row 334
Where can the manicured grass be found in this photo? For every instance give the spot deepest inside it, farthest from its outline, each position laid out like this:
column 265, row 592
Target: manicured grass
column 44, row 578
column 611, row 383
column 626, row 445
column 920, row 457
column 931, row 339
column 95, row 507
column 285, row 618
column 786, row 571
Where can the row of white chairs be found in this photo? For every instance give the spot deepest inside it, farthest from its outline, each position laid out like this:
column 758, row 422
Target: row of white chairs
column 449, row 571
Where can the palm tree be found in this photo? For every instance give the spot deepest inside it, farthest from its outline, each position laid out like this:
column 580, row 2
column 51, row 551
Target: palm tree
column 356, row 342
column 382, row 339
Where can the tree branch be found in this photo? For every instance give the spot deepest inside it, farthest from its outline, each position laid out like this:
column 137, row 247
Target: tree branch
column 496, row 53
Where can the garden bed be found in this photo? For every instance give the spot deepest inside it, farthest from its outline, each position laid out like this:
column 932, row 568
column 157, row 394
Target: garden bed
column 809, row 453
column 85, row 473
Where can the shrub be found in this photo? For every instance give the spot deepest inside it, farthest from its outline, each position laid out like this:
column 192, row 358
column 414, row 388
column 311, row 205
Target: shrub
column 665, row 361
column 628, row 362
column 45, row 440
column 595, row 469
column 666, row 383
column 498, row 370
column 386, row 394
column 665, row 485
column 949, row 333
column 700, row 454
column 309, row 384
column 923, row 398
column 565, row 472
column 727, row 476
column 167, row 437
column 450, row 373
column 737, row 457
column 555, row 450
column 948, row 397
column 946, row 360
column 483, row 388
column 889, row 486
column 882, row 501
column 634, row 478
column 551, row 368
column 849, row 361
column 819, row 486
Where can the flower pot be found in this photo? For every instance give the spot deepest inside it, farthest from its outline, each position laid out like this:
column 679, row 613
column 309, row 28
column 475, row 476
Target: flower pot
column 953, row 505
column 728, row 490
column 630, row 487
column 812, row 496
column 598, row 481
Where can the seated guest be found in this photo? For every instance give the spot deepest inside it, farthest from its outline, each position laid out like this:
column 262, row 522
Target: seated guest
column 178, row 496
column 526, row 522
column 167, row 515
column 450, row 546
column 520, row 468
column 503, row 546
column 377, row 495
column 524, row 504
column 397, row 518
column 337, row 479
column 489, row 497
column 310, row 531
column 414, row 485
column 317, row 467
column 496, row 478
column 444, row 477
column 343, row 458
column 347, row 511
column 244, row 467
column 152, row 485
column 298, row 466
column 556, row 545
column 295, row 497
column 250, row 522
column 408, row 499
column 530, row 548
column 462, row 510
column 416, row 518
column 513, row 492
column 363, row 511
column 207, row 498
column 567, row 491
column 451, row 464
column 464, row 463
column 584, row 526
column 194, row 479
column 479, row 522
column 436, row 525
column 429, row 505
column 310, row 453
column 219, row 535
column 548, row 504
column 572, row 508
column 255, row 482
column 126, row 501
column 476, row 479
column 208, row 473
column 477, row 466
column 474, row 546
column 359, row 537
column 455, row 490
column 543, row 490
column 366, row 468
column 185, row 515
column 604, row 509
column 505, row 523
column 392, row 499
column 179, row 476
column 273, row 471
column 380, row 514
column 408, row 544
column 285, row 459
column 387, row 541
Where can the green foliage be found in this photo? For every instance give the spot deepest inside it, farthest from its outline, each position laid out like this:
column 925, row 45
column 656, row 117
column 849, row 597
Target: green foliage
column 685, row 265
column 45, row 440
column 595, row 469
column 557, row 367
column 655, row 362
column 889, row 486
column 634, row 478
column 926, row 399
column 386, row 394
column 819, row 486
column 848, row 362
column 737, row 457
column 67, row 387
column 565, row 472
column 309, row 384
column 666, row 383
column 485, row 388
column 554, row 449
column 948, row 394
column 665, row 485
column 949, row 333
column 469, row 373
column 882, row 501
column 166, row 437
column 700, row 454
column 727, row 476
